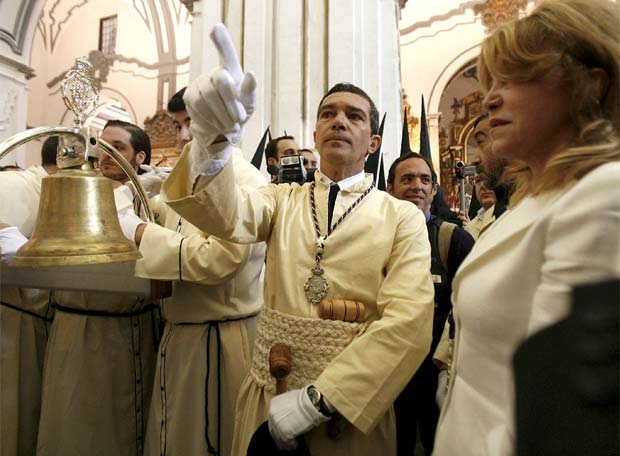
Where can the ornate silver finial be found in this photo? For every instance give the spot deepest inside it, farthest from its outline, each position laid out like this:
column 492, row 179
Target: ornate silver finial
column 79, row 91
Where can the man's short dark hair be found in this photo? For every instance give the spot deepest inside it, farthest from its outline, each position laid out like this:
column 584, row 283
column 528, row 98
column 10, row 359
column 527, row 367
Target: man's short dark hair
column 49, row 150
column 348, row 87
column 392, row 172
column 271, row 151
column 137, row 137
column 176, row 103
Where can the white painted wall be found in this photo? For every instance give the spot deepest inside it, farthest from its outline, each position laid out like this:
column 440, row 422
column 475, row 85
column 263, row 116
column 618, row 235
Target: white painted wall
column 16, row 30
column 437, row 38
column 72, row 30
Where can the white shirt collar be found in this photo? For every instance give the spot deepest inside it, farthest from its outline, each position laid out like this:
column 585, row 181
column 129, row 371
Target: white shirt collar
column 346, row 182
column 42, row 170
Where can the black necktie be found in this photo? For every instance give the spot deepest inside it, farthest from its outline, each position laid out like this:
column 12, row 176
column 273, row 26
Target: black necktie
column 331, row 203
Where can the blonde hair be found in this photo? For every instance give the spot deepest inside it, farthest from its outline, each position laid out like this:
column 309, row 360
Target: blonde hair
column 562, row 41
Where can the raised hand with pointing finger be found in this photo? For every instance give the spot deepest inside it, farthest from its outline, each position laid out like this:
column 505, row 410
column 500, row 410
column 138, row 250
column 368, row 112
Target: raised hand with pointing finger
column 219, row 104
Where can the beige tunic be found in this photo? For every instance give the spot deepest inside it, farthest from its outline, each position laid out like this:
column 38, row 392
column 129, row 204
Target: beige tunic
column 515, row 281
column 220, row 281
column 481, row 222
column 380, row 256
column 25, row 317
column 98, row 373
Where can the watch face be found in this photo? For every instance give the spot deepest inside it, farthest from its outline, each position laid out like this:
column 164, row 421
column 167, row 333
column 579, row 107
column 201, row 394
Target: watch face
column 314, row 395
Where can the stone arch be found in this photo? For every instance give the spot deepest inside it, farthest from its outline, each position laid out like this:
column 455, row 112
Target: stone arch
column 20, row 36
column 447, row 74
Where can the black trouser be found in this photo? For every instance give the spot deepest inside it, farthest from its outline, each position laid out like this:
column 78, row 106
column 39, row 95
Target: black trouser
column 416, row 409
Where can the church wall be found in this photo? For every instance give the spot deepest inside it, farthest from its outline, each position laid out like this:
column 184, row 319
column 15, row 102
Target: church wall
column 300, row 48
column 435, row 42
column 438, row 40
column 147, row 68
column 16, row 30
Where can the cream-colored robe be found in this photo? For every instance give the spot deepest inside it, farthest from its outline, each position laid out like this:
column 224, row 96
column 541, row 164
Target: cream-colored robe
column 379, row 255
column 220, row 281
column 98, row 373
column 517, row 280
column 25, row 316
column 481, row 222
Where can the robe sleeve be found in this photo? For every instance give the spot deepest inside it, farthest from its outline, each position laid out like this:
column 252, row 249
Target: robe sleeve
column 441, row 357
column 233, row 212
column 168, row 255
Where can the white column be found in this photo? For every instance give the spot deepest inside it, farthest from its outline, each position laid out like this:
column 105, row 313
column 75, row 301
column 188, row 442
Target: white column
column 299, row 49
column 13, row 106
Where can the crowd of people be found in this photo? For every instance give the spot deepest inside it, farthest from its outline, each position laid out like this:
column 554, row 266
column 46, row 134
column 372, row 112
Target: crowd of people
column 388, row 321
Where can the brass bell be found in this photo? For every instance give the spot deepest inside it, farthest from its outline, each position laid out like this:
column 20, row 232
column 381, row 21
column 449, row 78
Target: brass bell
column 77, row 223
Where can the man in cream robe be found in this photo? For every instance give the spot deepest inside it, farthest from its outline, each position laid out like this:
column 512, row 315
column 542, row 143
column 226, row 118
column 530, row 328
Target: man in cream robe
column 378, row 256
column 25, row 317
column 483, row 219
column 216, row 297
column 100, row 361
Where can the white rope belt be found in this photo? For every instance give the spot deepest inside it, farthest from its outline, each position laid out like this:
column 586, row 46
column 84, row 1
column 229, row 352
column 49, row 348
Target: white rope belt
column 314, row 343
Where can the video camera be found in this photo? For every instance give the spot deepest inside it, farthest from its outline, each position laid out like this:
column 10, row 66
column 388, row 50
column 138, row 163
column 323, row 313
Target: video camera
column 462, row 170
column 292, row 170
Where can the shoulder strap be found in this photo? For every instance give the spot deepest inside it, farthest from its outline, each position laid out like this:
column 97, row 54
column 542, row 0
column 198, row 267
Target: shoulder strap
column 445, row 236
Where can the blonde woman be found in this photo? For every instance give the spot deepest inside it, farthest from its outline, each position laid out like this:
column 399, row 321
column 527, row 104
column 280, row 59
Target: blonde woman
column 551, row 82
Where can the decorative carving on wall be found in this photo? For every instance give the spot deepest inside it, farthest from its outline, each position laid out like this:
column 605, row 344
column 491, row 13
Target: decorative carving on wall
column 15, row 35
column 458, row 11
column 413, row 125
column 495, row 12
column 189, row 4
column 8, row 103
column 142, row 9
column 452, row 145
column 50, row 26
column 162, row 132
column 103, row 63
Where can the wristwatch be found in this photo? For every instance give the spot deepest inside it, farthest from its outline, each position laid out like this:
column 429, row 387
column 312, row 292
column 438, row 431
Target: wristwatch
column 317, row 400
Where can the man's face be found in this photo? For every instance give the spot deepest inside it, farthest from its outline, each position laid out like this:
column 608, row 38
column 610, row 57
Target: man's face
column 310, row 161
column 481, row 133
column 181, row 122
column 485, row 196
column 343, row 136
column 287, row 147
column 121, row 140
column 413, row 181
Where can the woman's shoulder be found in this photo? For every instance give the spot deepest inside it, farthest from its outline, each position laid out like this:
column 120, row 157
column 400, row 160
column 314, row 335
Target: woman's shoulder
column 607, row 172
column 595, row 193
column 601, row 183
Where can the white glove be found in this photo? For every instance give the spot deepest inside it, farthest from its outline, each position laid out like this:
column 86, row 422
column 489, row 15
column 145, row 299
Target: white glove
column 442, row 387
column 10, row 242
column 219, row 103
column 292, row 414
column 129, row 222
column 153, row 179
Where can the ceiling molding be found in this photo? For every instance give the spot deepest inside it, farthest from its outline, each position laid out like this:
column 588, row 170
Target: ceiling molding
column 16, row 36
column 458, row 11
column 26, row 70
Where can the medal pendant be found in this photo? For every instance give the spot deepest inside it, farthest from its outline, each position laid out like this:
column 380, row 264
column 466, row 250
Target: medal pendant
column 316, row 286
